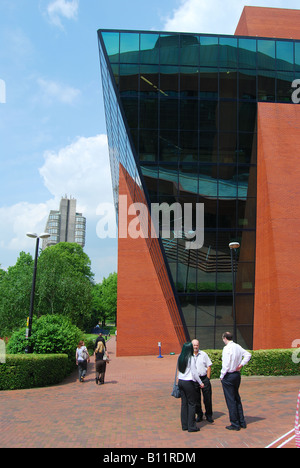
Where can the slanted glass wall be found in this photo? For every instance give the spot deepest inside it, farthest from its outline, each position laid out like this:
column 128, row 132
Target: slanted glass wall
column 190, row 103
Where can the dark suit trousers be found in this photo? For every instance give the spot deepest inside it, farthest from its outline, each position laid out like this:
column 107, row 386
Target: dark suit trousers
column 207, row 397
column 231, row 384
column 188, row 404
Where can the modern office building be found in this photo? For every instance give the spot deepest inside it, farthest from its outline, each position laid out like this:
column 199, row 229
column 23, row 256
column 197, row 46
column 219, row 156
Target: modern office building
column 207, row 119
column 65, row 225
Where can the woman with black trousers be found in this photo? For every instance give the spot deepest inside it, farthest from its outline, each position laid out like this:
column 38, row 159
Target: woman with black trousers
column 186, row 376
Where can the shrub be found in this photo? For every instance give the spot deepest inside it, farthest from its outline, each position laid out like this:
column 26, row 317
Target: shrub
column 263, row 362
column 51, row 334
column 32, row 370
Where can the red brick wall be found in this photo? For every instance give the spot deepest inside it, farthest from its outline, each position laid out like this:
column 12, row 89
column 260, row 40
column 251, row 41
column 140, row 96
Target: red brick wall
column 269, row 22
column 146, row 312
column 277, row 282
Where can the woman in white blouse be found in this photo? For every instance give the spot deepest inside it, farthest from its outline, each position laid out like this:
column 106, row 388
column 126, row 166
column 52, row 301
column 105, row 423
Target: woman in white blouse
column 186, row 376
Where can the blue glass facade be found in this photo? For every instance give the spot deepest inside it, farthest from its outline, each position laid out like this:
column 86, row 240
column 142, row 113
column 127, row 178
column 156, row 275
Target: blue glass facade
column 181, row 118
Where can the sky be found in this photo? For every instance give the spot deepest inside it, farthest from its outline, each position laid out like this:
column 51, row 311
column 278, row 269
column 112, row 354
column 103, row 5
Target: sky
column 52, row 125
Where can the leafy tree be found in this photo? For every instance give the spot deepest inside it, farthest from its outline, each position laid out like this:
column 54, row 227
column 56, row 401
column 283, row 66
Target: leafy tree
column 105, row 299
column 64, row 283
column 15, row 290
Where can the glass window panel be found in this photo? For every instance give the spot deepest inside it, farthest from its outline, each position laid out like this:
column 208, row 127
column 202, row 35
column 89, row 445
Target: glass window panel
column 149, row 48
column 169, row 49
column 129, row 47
column 247, row 148
column 284, row 88
column 208, row 181
column 188, row 146
column 189, row 114
column 189, row 81
column 206, row 310
column 149, row 79
column 188, row 306
column 169, row 113
column 148, row 112
column 115, row 70
column 188, row 181
column 247, row 53
column 266, row 54
column 228, row 52
column 245, row 277
column 129, row 79
column 189, row 49
column 228, row 148
column 285, row 55
column 130, row 106
column 112, row 45
column 148, row 145
column 228, row 84
column 228, row 116
column 209, row 83
column 247, row 116
column 208, row 146
column 266, row 86
column 224, row 315
column 227, row 213
column 244, row 308
column 227, row 181
column 247, row 84
column 169, row 81
column 297, row 56
column 205, row 335
column 168, row 146
column 247, row 241
column 247, row 213
column 209, row 51
column 208, row 115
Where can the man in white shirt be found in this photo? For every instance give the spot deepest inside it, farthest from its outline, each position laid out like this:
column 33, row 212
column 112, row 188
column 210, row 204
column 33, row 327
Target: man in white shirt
column 203, row 365
column 234, row 357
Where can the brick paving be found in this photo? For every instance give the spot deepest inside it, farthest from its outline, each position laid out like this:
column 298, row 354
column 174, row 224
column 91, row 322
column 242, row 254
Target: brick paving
column 134, row 409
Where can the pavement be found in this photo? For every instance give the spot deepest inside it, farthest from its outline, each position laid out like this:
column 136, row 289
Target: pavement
column 134, row 409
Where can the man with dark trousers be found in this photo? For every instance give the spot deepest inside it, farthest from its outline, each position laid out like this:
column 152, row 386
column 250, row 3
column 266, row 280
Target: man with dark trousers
column 203, row 366
column 234, row 357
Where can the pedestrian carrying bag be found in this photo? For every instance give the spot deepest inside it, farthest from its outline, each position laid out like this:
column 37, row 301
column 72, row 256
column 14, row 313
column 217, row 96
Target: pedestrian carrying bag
column 176, row 390
column 84, row 354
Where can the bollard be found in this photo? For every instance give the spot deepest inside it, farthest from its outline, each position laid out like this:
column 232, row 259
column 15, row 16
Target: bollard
column 159, row 346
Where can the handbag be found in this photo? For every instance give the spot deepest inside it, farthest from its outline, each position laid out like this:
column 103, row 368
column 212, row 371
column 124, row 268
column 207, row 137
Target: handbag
column 84, row 354
column 176, row 390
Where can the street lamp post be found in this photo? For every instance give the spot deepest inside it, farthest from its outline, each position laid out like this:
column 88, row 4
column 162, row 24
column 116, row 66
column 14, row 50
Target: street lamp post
column 233, row 246
column 44, row 235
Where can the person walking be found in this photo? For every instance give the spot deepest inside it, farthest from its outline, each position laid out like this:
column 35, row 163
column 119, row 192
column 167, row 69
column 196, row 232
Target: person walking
column 203, row 366
column 100, row 363
column 234, row 357
column 187, row 375
column 82, row 358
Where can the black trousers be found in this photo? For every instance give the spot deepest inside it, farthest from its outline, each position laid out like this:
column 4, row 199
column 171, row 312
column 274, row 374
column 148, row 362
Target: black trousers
column 188, row 404
column 100, row 368
column 207, row 397
column 231, row 384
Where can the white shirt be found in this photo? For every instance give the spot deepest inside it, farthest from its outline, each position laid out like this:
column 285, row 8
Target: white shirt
column 232, row 357
column 190, row 373
column 202, row 362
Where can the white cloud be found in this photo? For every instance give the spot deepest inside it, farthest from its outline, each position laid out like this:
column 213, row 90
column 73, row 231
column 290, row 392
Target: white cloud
column 80, row 170
column 58, row 9
column 52, row 90
column 215, row 17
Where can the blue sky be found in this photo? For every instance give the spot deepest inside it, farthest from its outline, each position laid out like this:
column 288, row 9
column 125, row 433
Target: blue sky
column 52, row 126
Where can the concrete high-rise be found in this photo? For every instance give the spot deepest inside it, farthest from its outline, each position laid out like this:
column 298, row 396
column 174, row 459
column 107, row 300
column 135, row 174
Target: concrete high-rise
column 65, row 225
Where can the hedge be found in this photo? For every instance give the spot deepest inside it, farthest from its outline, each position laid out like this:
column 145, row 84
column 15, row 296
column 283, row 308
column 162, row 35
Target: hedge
column 22, row 371
column 263, row 362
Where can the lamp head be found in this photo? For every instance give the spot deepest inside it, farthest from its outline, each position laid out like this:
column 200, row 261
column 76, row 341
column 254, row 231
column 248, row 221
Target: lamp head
column 234, row 245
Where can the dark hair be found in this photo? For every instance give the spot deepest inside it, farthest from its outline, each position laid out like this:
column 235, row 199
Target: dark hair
column 228, row 336
column 186, row 352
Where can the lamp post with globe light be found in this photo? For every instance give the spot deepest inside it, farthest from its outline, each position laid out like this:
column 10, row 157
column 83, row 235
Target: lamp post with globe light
column 44, row 235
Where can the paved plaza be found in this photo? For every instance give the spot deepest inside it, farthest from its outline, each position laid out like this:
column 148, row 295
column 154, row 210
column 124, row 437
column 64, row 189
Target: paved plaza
column 134, row 409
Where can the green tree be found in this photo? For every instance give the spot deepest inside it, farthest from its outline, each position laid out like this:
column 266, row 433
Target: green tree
column 105, row 299
column 15, row 289
column 64, row 283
